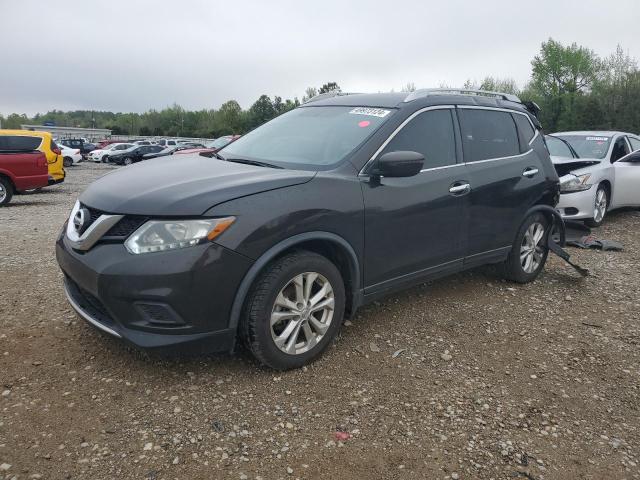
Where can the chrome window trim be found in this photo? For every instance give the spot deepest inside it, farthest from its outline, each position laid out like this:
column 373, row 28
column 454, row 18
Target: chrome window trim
column 94, row 233
column 88, row 317
column 442, row 107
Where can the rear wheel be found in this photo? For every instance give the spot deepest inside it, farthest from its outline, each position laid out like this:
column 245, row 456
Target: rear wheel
column 294, row 310
column 600, row 207
column 529, row 251
column 6, row 191
column 127, row 161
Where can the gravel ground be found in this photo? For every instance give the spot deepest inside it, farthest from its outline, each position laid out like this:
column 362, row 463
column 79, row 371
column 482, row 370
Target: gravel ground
column 466, row 378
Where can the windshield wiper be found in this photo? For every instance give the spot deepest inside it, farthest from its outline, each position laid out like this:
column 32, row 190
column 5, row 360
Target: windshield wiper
column 251, row 162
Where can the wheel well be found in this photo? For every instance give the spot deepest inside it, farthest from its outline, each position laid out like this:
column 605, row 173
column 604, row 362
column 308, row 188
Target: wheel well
column 607, row 185
column 339, row 257
column 8, row 179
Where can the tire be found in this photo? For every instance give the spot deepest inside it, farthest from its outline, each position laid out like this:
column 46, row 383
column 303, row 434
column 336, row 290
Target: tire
column 105, row 159
column 600, row 207
column 6, row 191
column 318, row 328
column 67, row 162
column 529, row 252
column 127, row 161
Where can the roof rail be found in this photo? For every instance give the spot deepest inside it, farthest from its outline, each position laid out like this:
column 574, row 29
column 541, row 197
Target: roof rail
column 322, row 96
column 425, row 92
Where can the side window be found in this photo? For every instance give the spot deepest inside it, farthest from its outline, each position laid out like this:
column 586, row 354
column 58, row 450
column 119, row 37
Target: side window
column 620, row 149
column 487, row 134
column 431, row 134
column 635, row 143
column 20, row 143
column 525, row 131
column 171, row 142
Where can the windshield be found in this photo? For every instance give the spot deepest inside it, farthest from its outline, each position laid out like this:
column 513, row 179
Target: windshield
column 309, row 137
column 557, row 147
column 588, row 146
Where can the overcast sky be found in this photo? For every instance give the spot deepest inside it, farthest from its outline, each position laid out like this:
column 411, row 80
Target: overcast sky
column 135, row 55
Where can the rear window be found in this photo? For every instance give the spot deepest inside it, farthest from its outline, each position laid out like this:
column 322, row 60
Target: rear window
column 19, row 143
column 488, row 134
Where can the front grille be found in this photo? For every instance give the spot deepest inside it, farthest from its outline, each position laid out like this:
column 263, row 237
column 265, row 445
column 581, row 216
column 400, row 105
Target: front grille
column 126, row 226
column 93, row 215
column 89, row 303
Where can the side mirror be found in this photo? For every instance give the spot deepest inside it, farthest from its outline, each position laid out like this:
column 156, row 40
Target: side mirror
column 633, row 157
column 398, row 164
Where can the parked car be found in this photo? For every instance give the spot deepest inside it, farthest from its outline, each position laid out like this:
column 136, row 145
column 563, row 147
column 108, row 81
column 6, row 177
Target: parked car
column 78, row 143
column 22, row 167
column 102, row 155
column 45, row 144
column 313, row 214
column 105, row 143
column 212, row 147
column 142, row 142
column 598, row 172
column 167, row 142
column 70, row 156
column 133, row 154
column 166, row 151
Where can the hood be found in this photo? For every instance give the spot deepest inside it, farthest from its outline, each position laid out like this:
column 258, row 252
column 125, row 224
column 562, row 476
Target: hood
column 189, row 187
column 564, row 165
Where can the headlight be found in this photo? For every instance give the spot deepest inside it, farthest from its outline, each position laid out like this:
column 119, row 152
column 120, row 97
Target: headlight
column 159, row 235
column 575, row 183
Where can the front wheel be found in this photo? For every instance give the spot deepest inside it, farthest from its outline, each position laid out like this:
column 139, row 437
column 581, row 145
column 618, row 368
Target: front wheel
column 6, row 191
column 127, row 161
column 294, row 310
column 105, row 159
column 600, row 207
column 529, row 251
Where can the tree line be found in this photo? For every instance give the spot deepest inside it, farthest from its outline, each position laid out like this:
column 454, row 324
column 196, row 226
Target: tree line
column 575, row 88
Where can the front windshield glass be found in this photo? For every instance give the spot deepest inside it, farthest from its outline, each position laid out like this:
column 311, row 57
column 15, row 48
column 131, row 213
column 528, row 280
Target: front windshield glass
column 309, row 137
column 588, row 146
column 218, row 142
column 557, row 148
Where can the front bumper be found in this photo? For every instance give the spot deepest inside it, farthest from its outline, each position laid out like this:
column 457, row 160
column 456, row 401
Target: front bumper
column 577, row 205
column 173, row 301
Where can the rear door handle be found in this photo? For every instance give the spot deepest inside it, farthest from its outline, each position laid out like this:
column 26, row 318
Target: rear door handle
column 459, row 188
column 529, row 172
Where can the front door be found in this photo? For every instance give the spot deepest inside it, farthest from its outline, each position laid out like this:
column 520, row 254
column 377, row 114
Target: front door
column 415, row 226
column 626, row 191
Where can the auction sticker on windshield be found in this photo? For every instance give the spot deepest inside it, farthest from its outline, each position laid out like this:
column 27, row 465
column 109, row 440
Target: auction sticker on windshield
column 373, row 112
column 597, row 139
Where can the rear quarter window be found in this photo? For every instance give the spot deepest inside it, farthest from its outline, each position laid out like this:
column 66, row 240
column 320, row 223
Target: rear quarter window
column 525, row 130
column 19, row 143
column 488, row 134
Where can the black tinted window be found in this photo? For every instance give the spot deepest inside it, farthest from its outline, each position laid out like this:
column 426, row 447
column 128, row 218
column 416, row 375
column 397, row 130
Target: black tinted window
column 525, row 130
column 620, row 149
column 19, row 143
column 431, row 134
column 488, row 134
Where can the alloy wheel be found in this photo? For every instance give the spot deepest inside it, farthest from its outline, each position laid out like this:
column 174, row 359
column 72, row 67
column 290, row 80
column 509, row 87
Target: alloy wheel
column 3, row 193
column 302, row 313
column 600, row 207
column 531, row 249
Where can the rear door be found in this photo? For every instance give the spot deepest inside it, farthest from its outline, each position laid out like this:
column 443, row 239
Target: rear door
column 626, row 190
column 506, row 177
column 414, row 227
column 20, row 165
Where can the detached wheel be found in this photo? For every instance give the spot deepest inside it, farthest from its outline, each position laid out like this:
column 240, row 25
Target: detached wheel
column 67, row 162
column 529, row 251
column 294, row 310
column 6, row 191
column 127, row 161
column 600, row 207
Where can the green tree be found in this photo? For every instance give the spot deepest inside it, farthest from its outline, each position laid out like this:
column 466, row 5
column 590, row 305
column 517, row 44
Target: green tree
column 328, row 87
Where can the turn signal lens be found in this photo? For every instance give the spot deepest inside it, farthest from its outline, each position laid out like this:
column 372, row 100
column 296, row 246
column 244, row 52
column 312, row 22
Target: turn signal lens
column 220, row 227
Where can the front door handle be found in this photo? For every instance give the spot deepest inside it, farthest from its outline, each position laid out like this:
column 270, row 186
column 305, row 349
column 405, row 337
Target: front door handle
column 459, row 188
column 529, row 172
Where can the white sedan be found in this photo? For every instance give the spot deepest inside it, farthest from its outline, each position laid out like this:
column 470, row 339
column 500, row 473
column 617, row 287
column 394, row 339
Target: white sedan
column 70, row 156
column 599, row 171
column 103, row 154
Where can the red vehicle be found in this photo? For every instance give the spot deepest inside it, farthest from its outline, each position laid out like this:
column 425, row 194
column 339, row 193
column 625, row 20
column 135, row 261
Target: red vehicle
column 21, row 171
column 212, row 147
column 104, row 143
